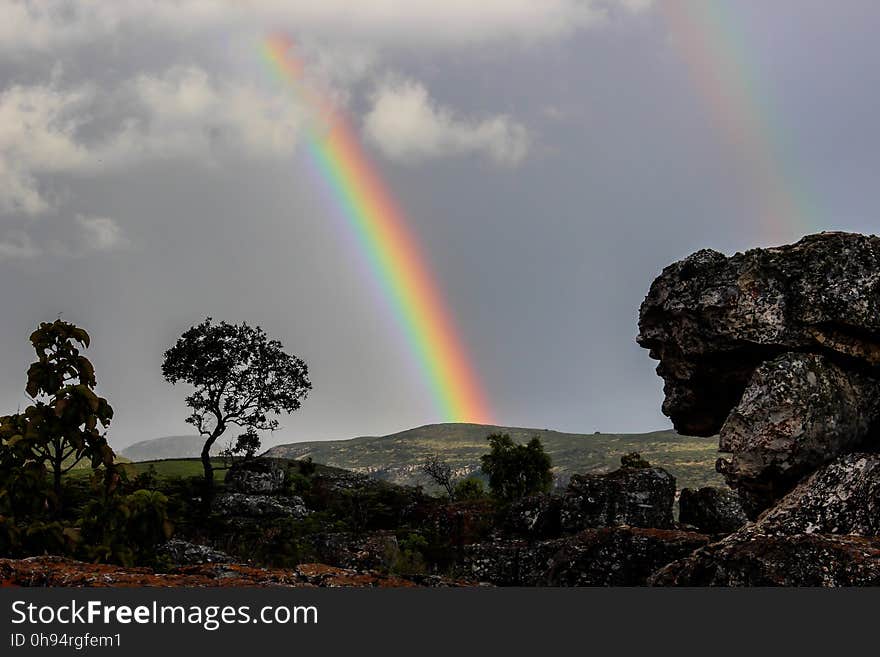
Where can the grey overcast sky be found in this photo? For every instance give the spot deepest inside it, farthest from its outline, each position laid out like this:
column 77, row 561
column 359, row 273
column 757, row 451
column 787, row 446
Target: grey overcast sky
column 552, row 156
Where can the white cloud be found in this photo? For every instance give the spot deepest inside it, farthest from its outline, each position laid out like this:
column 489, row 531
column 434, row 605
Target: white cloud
column 408, row 126
column 100, row 233
column 50, row 24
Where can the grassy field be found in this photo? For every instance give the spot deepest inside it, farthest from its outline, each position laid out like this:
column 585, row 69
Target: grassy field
column 397, row 457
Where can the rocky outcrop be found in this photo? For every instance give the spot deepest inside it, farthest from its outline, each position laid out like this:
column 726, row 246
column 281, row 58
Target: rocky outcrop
column 185, row 553
column 636, row 495
column 259, row 506
column 614, row 556
column 798, row 411
column 256, row 477
column 842, row 497
column 752, row 558
column 60, row 571
column 711, row 510
column 374, row 551
column 777, row 349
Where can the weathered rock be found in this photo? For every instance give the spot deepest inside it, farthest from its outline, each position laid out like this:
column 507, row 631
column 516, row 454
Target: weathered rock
column 185, row 553
column 256, row 477
column 798, row 411
column 374, row 551
column 614, row 556
column 60, row 571
column 711, row 320
column 259, row 506
column 752, row 558
column 536, row 516
column 711, row 510
column 842, row 497
column 640, row 496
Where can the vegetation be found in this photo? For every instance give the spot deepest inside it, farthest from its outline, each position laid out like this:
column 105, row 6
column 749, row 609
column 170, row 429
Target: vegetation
column 397, row 457
column 515, row 470
column 440, row 473
column 241, row 377
column 67, row 421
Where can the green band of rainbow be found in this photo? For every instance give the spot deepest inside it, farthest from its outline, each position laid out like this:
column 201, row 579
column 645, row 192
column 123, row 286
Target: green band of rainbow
column 390, row 248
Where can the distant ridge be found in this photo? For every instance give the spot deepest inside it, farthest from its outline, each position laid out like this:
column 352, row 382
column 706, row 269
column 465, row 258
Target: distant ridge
column 168, row 447
column 397, row 457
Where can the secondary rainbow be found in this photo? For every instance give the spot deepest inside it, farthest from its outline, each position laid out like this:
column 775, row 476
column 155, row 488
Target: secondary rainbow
column 715, row 49
column 388, row 245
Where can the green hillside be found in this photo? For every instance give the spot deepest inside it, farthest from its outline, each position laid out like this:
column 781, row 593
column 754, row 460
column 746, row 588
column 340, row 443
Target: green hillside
column 397, row 457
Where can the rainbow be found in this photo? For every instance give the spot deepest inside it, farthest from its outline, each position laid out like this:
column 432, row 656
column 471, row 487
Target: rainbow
column 715, row 51
column 388, row 245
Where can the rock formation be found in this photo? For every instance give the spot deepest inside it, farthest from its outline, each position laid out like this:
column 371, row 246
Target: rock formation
column 777, row 349
column 711, row 510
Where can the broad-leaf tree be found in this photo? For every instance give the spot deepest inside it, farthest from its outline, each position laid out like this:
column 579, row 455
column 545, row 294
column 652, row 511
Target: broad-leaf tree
column 67, row 421
column 516, row 470
column 241, row 378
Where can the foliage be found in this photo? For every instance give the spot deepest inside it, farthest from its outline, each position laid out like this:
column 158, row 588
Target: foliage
column 240, row 377
column 67, row 421
column 411, row 560
column 470, row 488
column 515, row 470
column 125, row 528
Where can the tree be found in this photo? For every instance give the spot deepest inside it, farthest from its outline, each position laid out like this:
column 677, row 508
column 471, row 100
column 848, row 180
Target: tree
column 516, row 470
column 67, row 421
column 440, row 473
column 470, row 488
column 240, row 376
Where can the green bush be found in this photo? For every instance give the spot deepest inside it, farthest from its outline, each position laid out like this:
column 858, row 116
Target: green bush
column 469, row 489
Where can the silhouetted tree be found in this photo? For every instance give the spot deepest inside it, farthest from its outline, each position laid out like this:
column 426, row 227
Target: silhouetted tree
column 241, row 377
column 440, row 473
column 67, row 421
column 516, row 470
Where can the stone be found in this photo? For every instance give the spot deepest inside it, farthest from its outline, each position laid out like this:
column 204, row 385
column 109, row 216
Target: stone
column 712, row 510
column 611, row 556
column 712, row 320
column 186, row 553
column 257, row 477
column 640, row 496
column 258, row 506
column 376, row 550
column 797, row 412
column 752, row 558
column 842, row 497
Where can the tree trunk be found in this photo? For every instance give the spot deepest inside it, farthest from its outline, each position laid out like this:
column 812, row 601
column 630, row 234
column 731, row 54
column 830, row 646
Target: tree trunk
column 56, row 484
column 206, row 462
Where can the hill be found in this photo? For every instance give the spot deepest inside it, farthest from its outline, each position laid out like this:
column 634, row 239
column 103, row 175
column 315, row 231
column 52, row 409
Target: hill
column 168, row 447
column 397, row 457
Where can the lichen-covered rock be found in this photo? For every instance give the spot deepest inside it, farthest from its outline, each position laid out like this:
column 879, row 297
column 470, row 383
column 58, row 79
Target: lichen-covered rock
column 752, row 558
column 842, row 497
column 258, row 506
column 640, row 496
column 185, row 553
column 256, row 477
column 373, row 551
column 611, row 556
column 711, row 320
column 536, row 516
column 798, row 411
column 711, row 510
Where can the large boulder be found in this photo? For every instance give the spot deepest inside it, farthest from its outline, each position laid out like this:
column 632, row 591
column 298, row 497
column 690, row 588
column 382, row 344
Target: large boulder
column 256, row 477
column 184, row 553
column 777, row 349
column 842, row 497
column 711, row 320
column 258, row 506
column 636, row 494
column 711, row 510
column 798, row 411
column 753, row 558
column 611, row 556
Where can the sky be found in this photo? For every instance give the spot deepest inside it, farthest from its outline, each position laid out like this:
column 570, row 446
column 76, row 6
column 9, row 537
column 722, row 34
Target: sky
column 551, row 156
